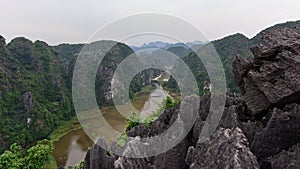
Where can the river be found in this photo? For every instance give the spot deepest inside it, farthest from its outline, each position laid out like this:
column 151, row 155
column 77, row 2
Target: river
column 71, row 148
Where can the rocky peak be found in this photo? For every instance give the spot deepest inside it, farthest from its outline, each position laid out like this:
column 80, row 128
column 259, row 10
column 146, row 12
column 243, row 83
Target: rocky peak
column 287, row 159
column 257, row 130
column 27, row 101
column 228, row 146
column 2, row 41
column 275, row 42
column 272, row 78
column 21, row 48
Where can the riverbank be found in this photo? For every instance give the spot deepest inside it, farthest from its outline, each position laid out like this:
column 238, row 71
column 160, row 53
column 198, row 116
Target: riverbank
column 138, row 102
column 64, row 129
column 70, row 140
column 52, row 163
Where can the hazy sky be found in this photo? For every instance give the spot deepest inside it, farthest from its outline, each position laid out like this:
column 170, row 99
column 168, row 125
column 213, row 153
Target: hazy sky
column 74, row 21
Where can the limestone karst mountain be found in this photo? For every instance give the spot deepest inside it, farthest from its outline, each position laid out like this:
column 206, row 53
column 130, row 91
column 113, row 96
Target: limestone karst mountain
column 259, row 129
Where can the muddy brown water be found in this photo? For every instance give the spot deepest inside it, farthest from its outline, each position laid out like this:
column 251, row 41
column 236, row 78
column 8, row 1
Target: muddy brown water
column 72, row 148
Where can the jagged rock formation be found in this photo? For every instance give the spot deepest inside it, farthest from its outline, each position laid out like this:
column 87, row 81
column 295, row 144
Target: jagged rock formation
column 175, row 157
column 272, row 78
column 270, row 84
column 259, row 129
column 227, row 148
column 287, row 159
column 281, row 132
column 97, row 157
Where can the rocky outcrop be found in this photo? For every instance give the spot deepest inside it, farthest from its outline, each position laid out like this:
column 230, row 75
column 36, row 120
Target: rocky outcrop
column 175, row 157
column 286, row 159
column 272, row 78
column 140, row 130
column 97, row 157
column 27, row 101
column 133, row 150
column 281, row 132
column 227, row 148
column 259, row 129
column 1, row 141
column 2, row 42
column 270, row 84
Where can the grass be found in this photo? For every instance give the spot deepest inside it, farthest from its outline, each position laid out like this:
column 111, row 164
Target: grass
column 52, row 163
column 135, row 119
column 64, row 129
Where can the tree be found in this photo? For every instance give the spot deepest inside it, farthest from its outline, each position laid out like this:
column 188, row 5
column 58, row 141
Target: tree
column 35, row 157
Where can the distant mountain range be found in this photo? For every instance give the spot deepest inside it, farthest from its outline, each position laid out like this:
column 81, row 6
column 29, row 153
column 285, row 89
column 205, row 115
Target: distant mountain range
column 166, row 45
column 227, row 48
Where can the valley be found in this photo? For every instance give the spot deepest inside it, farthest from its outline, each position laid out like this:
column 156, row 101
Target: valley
column 70, row 149
column 36, row 99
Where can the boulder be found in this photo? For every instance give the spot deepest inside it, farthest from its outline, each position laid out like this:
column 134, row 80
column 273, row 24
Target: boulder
column 281, row 132
column 141, row 130
column 272, row 78
column 97, row 157
column 287, row 159
column 227, row 148
column 133, row 149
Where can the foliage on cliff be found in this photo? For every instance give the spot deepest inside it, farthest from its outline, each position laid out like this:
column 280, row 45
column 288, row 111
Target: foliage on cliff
column 35, row 87
column 35, row 157
column 227, row 49
column 33, row 94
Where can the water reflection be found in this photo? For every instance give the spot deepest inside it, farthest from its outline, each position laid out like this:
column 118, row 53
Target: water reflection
column 71, row 148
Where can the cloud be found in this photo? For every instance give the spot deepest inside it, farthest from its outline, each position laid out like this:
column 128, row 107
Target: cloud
column 74, row 21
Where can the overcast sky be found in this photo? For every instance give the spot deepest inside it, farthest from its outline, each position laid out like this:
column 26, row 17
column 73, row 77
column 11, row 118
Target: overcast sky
column 74, row 21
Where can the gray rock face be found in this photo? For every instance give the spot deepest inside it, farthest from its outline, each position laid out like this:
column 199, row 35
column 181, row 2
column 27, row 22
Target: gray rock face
column 141, row 130
column 282, row 132
column 259, row 129
column 225, row 149
column 272, row 78
column 2, row 42
column 174, row 158
column 134, row 163
column 97, row 157
column 287, row 159
column 27, row 101
column 1, row 141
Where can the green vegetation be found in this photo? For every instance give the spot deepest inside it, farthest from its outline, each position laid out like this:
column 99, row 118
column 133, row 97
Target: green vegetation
column 35, row 89
column 78, row 166
column 144, row 91
column 64, row 129
column 34, row 96
column 169, row 103
column 180, row 51
column 36, row 157
column 51, row 163
column 134, row 119
column 122, row 139
column 227, row 49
